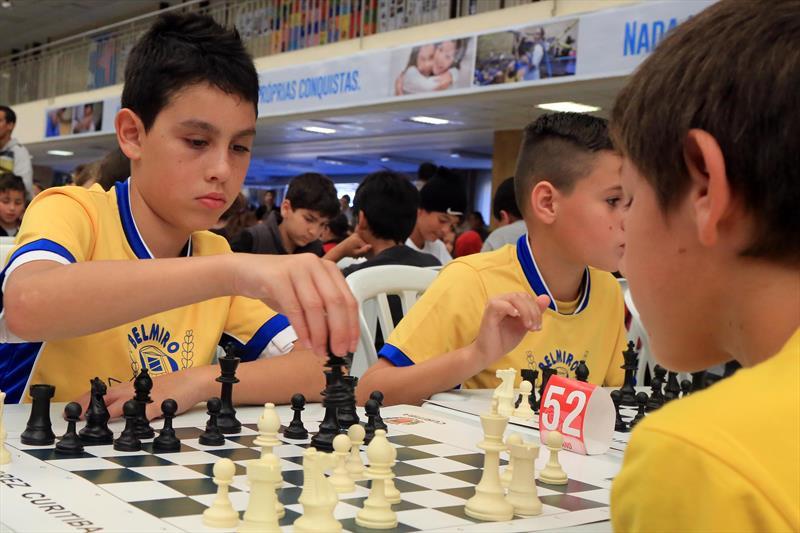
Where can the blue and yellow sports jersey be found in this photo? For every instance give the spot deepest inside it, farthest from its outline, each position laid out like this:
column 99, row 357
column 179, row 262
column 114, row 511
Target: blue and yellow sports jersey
column 72, row 224
column 447, row 317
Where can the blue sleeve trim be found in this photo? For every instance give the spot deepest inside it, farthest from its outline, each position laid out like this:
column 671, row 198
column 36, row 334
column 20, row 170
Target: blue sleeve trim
column 258, row 342
column 16, row 365
column 35, row 246
column 394, row 355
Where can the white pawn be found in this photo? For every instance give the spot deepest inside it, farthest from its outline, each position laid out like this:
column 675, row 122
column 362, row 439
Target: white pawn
column 355, row 466
column 264, row 476
column 505, row 477
column 5, row 456
column 524, row 410
column 522, row 490
column 377, row 512
column 221, row 513
column 268, row 427
column 340, row 479
column 552, row 473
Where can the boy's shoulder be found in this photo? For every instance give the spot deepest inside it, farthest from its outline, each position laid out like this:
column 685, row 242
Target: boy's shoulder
column 485, row 263
column 208, row 243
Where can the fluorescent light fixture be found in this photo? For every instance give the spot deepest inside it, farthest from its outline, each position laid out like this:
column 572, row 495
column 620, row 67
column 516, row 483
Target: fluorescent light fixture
column 63, row 153
column 455, row 155
column 568, row 107
column 319, row 129
column 431, row 121
column 341, row 161
column 385, row 158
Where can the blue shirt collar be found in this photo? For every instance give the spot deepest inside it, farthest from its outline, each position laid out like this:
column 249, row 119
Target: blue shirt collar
column 537, row 282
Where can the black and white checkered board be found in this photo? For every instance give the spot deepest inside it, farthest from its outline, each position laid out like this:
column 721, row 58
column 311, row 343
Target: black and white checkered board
column 434, row 478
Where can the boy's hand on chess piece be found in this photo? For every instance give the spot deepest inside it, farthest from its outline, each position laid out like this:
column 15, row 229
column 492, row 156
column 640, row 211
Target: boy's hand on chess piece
column 506, row 320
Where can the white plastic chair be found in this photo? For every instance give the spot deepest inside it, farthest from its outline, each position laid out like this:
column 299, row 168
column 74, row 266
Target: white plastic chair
column 371, row 286
column 637, row 334
column 6, row 245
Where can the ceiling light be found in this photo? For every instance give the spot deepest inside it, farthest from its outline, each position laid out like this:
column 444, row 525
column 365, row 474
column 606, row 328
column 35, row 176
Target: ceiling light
column 431, row 121
column 455, row 155
column 62, row 153
column 569, row 107
column 385, row 158
column 5, row 3
column 341, row 161
column 318, row 129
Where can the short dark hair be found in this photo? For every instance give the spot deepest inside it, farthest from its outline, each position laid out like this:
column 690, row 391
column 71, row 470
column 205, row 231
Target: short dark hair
column 10, row 115
column 114, row 167
column 389, row 202
column 558, row 148
column 505, row 200
column 314, row 192
column 11, row 182
column 745, row 100
column 180, row 50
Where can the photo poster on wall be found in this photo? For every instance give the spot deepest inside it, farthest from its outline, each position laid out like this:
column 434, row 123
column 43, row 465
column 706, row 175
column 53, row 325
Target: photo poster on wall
column 74, row 120
column 431, row 67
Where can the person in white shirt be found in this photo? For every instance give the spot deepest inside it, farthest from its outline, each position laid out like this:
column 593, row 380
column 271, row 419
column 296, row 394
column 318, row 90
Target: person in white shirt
column 14, row 157
column 509, row 219
column 442, row 200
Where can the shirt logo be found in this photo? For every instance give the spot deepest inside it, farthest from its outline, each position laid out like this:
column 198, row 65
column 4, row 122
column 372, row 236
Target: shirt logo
column 155, row 349
column 563, row 361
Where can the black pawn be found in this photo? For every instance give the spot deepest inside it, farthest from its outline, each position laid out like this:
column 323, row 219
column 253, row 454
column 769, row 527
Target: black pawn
column 582, row 372
column 641, row 399
column 546, row 373
column 296, row 430
column 212, row 436
column 143, row 384
column 686, row 388
column 70, row 444
column 96, row 430
column 227, row 421
column 167, row 441
column 347, row 415
column 371, row 408
column 619, row 423
column 530, row 375
column 379, row 423
column 698, row 380
column 656, row 396
column 673, row 389
column 39, row 430
column 128, row 441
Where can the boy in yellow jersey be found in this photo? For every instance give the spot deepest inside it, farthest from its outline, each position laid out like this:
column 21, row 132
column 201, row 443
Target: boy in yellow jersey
column 712, row 256
column 106, row 283
column 533, row 304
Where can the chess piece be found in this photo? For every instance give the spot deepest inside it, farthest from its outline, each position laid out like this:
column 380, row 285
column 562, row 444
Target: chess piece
column 227, row 421
column 522, row 494
column 167, row 441
column 355, row 466
column 379, row 423
column 505, row 477
column 641, row 399
column 340, row 478
column 269, row 425
column 505, row 391
column 552, row 473
column 631, row 357
column 5, row 455
column 296, row 429
column 39, row 430
column 318, row 498
column 656, row 396
column 698, row 381
column 524, row 410
column 489, row 503
column 128, row 441
column 531, row 375
column 546, row 373
column 264, row 477
column 377, row 512
column 143, row 384
column 335, row 396
column 619, row 423
column 371, row 408
column 582, row 372
column 70, row 444
column 96, row 430
column 686, row 388
column 221, row 514
column 673, row 389
column 212, row 435
column 347, row 415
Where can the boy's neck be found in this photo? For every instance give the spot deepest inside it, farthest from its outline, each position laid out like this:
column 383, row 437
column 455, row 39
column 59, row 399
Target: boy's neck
column 757, row 318
column 376, row 245
column 288, row 243
column 562, row 276
column 163, row 239
column 417, row 238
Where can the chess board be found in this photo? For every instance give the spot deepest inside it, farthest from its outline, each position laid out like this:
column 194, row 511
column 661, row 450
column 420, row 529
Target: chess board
column 437, row 469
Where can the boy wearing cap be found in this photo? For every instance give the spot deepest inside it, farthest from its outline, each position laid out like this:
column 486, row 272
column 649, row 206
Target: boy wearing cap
column 441, row 201
column 533, row 305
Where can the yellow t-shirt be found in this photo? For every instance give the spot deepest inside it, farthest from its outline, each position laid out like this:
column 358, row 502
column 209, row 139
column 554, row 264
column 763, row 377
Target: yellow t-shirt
column 724, row 459
column 72, row 224
column 449, row 313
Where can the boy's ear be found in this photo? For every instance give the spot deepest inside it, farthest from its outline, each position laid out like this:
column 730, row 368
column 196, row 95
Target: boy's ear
column 130, row 131
column 286, row 206
column 543, row 201
column 361, row 224
column 710, row 192
column 504, row 218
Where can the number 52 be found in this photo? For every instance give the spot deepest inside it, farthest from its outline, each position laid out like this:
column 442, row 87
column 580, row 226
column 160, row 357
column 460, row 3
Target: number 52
column 573, row 406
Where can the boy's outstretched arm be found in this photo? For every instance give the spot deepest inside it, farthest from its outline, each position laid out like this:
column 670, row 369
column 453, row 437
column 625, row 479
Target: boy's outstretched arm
column 46, row 300
column 506, row 320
